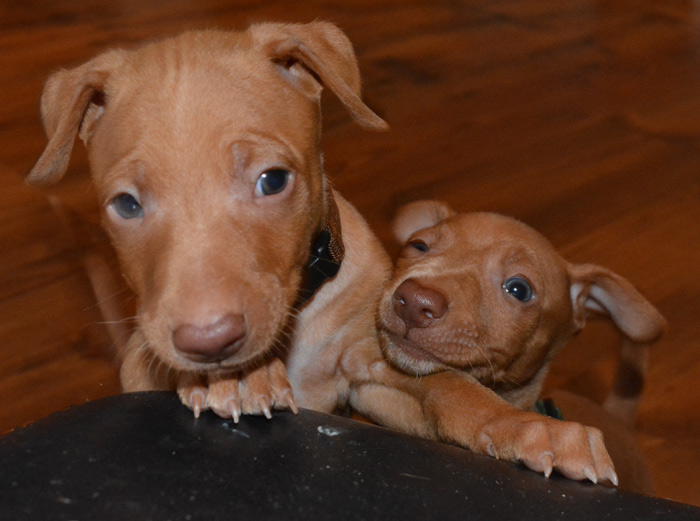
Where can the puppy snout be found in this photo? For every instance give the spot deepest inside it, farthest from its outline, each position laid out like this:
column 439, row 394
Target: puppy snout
column 212, row 343
column 418, row 306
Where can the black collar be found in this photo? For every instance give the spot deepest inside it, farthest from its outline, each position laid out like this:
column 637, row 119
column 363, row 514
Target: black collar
column 326, row 254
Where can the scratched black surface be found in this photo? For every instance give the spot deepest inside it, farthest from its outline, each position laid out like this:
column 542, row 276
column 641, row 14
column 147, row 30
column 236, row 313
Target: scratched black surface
column 143, row 456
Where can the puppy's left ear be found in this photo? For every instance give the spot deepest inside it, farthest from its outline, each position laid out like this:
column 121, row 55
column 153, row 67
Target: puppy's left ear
column 599, row 291
column 418, row 215
column 319, row 51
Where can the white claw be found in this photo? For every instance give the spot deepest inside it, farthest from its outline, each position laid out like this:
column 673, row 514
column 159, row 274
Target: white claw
column 197, row 403
column 265, row 407
column 235, row 412
column 491, row 449
column 590, row 474
column 548, row 464
column 289, row 400
column 485, row 441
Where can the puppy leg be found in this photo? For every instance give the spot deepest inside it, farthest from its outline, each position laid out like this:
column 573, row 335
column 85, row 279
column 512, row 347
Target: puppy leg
column 265, row 388
column 543, row 444
column 469, row 414
column 257, row 392
column 452, row 407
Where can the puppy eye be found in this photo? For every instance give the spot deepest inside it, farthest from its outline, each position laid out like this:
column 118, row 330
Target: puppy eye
column 272, row 182
column 519, row 288
column 419, row 245
column 127, row 207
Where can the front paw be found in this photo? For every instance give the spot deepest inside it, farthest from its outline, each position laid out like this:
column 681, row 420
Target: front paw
column 258, row 392
column 544, row 444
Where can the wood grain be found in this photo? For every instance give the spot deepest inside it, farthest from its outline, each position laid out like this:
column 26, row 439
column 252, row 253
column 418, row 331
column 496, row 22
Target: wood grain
column 581, row 118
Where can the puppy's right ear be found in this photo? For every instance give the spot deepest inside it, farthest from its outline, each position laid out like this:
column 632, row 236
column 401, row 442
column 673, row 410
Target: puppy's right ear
column 417, row 216
column 597, row 291
column 72, row 102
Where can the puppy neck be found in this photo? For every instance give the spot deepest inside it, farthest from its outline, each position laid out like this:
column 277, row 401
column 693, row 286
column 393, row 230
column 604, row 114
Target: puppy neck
column 525, row 396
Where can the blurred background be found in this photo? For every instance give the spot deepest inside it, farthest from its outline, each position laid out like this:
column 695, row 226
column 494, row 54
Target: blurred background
column 581, row 118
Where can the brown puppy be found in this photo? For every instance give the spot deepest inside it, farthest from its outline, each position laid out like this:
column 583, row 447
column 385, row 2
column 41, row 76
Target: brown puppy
column 204, row 150
column 487, row 295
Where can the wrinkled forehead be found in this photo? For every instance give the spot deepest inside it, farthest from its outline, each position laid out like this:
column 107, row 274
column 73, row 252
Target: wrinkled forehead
column 480, row 235
column 192, row 90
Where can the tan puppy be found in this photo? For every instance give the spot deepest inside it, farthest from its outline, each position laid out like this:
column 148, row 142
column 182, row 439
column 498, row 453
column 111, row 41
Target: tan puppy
column 487, row 295
column 204, row 150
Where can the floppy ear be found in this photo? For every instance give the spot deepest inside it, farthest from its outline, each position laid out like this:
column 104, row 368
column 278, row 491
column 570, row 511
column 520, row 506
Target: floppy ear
column 418, row 215
column 72, row 102
column 598, row 291
column 323, row 51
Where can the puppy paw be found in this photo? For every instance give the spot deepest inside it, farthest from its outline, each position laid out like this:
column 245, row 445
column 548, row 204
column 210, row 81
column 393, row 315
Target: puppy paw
column 544, row 444
column 258, row 392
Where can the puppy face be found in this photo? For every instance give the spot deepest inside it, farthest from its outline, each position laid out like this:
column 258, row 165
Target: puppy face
column 476, row 292
column 204, row 150
column 211, row 197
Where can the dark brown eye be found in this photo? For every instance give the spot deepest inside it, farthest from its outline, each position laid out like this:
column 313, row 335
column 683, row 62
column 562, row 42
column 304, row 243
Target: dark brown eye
column 419, row 245
column 519, row 288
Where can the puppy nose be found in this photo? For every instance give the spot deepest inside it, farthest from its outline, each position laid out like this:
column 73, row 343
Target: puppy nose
column 211, row 343
column 417, row 305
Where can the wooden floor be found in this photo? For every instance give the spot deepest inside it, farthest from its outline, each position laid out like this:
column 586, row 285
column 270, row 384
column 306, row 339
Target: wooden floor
column 580, row 117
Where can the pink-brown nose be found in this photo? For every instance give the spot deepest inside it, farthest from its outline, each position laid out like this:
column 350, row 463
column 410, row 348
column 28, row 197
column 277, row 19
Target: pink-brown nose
column 417, row 305
column 211, row 343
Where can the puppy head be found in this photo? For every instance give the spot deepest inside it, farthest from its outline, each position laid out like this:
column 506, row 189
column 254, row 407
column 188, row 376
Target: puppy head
column 486, row 294
column 204, row 150
column 478, row 292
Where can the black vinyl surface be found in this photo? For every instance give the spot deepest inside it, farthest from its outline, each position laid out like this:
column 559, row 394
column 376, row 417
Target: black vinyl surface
column 143, row 456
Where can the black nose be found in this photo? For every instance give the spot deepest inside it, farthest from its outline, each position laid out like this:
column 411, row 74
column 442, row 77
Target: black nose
column 417, row 305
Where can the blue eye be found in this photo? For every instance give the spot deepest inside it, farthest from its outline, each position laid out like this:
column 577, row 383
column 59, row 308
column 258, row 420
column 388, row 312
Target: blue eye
column 519, row 288
column 127, row 207
column 272, row 182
